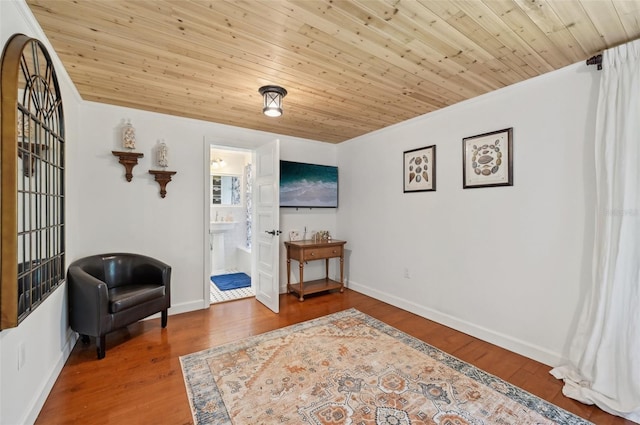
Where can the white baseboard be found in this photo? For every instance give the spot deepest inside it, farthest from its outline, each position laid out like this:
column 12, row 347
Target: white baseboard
column 180, row 308
column 38, row 403
column 187, row 307
column 523, row 348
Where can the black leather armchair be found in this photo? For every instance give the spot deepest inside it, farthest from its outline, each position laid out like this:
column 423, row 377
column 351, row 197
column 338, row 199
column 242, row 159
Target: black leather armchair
column 111, row 291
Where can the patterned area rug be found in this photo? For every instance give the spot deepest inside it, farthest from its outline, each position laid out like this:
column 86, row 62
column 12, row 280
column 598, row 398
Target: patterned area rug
column 349, row 368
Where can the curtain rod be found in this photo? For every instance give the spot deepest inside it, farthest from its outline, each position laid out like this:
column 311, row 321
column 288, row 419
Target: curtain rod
column 595, row 60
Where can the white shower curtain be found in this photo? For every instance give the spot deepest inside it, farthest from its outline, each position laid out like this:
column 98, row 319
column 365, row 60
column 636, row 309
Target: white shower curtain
column 604, row 356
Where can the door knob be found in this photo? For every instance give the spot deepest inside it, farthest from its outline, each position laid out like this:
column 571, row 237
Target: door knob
column 273, row 232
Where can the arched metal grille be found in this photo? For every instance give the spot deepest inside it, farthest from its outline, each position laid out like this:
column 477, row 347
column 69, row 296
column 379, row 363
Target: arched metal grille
column 32, row 179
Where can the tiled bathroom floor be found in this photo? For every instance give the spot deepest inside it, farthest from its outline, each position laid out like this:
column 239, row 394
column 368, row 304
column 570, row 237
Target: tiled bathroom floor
column 218, row 296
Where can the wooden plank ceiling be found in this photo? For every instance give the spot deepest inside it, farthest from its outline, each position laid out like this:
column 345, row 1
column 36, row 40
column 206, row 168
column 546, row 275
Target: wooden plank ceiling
column 350, row 67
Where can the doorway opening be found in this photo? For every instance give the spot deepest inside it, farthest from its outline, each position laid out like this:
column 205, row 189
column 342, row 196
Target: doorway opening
column 230, row 210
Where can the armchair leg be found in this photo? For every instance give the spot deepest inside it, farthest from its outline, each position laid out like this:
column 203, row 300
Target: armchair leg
column 101, row 346
column 84, row 339
column 164, row 316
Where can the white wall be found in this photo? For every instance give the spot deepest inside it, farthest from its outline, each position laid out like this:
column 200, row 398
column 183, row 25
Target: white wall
column 509, row 265
column 116, row 215
column 44, row 334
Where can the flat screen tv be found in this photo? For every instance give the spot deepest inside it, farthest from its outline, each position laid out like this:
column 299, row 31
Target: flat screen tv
column 308, row 185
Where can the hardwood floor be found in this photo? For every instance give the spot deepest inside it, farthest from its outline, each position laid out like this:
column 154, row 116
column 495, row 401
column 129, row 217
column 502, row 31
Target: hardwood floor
column 140, row 379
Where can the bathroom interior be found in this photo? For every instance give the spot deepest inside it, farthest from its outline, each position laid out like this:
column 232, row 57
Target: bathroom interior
column 230, row 223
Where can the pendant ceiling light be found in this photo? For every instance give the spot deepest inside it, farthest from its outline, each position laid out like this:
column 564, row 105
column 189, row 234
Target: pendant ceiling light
column 272, row 100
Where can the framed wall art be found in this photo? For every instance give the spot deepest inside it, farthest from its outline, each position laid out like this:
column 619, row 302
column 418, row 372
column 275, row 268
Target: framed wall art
column 420, row 169
column 487, row 159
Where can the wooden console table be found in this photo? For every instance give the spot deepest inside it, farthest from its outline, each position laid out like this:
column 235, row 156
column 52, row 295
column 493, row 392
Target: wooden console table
column 303, row 251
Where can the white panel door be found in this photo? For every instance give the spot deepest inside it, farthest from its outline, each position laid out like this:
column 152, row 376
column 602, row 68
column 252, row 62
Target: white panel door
column 267, row 222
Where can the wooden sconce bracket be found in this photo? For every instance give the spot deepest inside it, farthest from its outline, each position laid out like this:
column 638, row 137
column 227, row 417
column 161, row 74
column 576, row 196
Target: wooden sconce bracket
column 129, row 160
column 162, row 177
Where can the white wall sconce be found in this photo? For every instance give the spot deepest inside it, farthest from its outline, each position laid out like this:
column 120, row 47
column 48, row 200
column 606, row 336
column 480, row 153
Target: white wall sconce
column 217, row 163
column 273, row 96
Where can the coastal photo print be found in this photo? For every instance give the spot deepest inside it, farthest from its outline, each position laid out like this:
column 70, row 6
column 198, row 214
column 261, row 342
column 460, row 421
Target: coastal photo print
column 487, row 159
column 419, row 173
column 305, row 185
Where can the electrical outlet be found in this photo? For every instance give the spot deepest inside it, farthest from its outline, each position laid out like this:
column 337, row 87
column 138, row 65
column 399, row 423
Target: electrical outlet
column 22, row 355
column 406, row 273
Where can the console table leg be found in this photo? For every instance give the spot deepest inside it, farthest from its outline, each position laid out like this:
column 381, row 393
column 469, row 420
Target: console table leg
column 301, row 281
column 342, row 273
column 288, row 275
column 326, row 268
